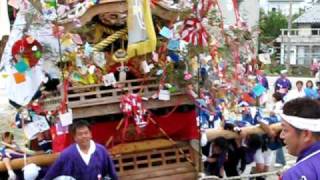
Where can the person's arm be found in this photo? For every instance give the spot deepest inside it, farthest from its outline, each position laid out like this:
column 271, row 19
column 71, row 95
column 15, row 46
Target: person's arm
column 276, row 85
column 110, row 169
column 266, row 83
column 289, row 85
column 55, row 169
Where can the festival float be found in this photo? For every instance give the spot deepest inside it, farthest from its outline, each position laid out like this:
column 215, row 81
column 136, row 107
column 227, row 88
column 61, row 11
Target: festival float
column 148, row 75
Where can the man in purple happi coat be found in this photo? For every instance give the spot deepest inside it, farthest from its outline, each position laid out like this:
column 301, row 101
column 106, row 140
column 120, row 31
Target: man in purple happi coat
column 301, row 134
column 283, row 84
column 84, row 160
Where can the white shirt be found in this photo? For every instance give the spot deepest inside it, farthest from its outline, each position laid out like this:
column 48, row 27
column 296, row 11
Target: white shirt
column 277, row 108
column 293, row 94
column 86, row 157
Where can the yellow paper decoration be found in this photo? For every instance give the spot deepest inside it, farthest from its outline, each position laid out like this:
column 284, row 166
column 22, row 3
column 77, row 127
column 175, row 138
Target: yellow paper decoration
column 140, row 20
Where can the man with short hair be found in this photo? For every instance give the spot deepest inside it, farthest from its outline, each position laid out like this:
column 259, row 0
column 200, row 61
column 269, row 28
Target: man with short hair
column 283, row 84
column 301, row 134
column 83, row 160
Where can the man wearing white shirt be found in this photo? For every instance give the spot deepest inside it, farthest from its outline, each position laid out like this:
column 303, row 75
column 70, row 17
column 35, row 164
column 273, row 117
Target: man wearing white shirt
column 295, row 93
column 83, row 160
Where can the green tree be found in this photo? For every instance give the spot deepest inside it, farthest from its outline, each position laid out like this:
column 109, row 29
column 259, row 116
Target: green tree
column 270, row 25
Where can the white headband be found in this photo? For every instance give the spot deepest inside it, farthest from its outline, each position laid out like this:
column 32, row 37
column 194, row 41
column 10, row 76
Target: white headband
column 310, row 124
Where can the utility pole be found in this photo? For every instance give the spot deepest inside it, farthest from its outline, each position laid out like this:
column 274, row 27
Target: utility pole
column 289, row 38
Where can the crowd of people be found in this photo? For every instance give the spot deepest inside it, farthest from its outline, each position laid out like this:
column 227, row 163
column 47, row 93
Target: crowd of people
column 290, row 106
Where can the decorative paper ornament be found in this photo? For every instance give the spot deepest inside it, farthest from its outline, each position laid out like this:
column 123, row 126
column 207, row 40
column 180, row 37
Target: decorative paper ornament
column 109, row 79
column 99, row 59
column 164, row 95
column 76, row 22
column 77, row 39
column 50, row 3
column 166, row 32
column 194, row 32
column 187, row 76
column 92, row 69
column 21, row 66
column 174, row 45
column 88, row 50
column 172, row 89
column 57, row 31
column 132, row 107
column 27, row 48
column 19, row 78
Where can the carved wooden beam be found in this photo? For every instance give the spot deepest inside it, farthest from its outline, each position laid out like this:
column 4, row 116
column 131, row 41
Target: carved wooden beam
column 119, row 6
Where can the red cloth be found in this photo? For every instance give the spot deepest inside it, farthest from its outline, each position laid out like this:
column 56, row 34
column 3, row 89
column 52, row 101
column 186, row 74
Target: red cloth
column 179, row 126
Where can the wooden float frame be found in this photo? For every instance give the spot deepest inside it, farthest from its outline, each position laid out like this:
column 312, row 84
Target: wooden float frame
column 154, row 159
column 91, row 100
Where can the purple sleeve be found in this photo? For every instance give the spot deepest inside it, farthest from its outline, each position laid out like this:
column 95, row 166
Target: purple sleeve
column 289, row 85
column 55, row 169
column 276, row 87
column 302, row 171
column 110, row 169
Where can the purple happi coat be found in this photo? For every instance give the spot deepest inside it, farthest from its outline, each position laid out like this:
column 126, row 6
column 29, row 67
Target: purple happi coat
column 307, row 166
column 71, row 164
column 282, row 83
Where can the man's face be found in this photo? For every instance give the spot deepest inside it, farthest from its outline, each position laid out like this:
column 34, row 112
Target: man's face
column 83, row 136
column 292, row 139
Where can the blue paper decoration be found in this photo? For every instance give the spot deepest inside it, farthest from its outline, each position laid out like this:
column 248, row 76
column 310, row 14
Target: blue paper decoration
column 166, row 32
column 174, row 45
column 21, row 66
column 88, row 50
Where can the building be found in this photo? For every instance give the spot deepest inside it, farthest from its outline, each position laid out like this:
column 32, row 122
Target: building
column 304, row 40
column 284, row 5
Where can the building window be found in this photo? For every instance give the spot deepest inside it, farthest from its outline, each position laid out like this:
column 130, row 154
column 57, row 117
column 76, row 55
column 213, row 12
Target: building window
column 315, row 29
column 302, row 54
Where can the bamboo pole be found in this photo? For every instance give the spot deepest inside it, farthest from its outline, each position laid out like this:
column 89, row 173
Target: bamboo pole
column 214, row 133
column 40, row 160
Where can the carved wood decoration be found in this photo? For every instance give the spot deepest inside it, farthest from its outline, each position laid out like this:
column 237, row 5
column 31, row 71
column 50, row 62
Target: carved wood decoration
column 117, row 9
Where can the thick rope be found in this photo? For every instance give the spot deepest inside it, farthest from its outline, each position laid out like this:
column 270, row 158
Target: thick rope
column 111, row 31
column 110, row 39
column 243, row 176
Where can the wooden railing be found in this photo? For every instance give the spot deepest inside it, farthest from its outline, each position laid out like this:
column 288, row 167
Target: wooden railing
column 91, row 96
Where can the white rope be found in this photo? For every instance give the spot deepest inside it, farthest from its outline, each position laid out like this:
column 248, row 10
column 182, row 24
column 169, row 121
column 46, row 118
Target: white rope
column 243, row 176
